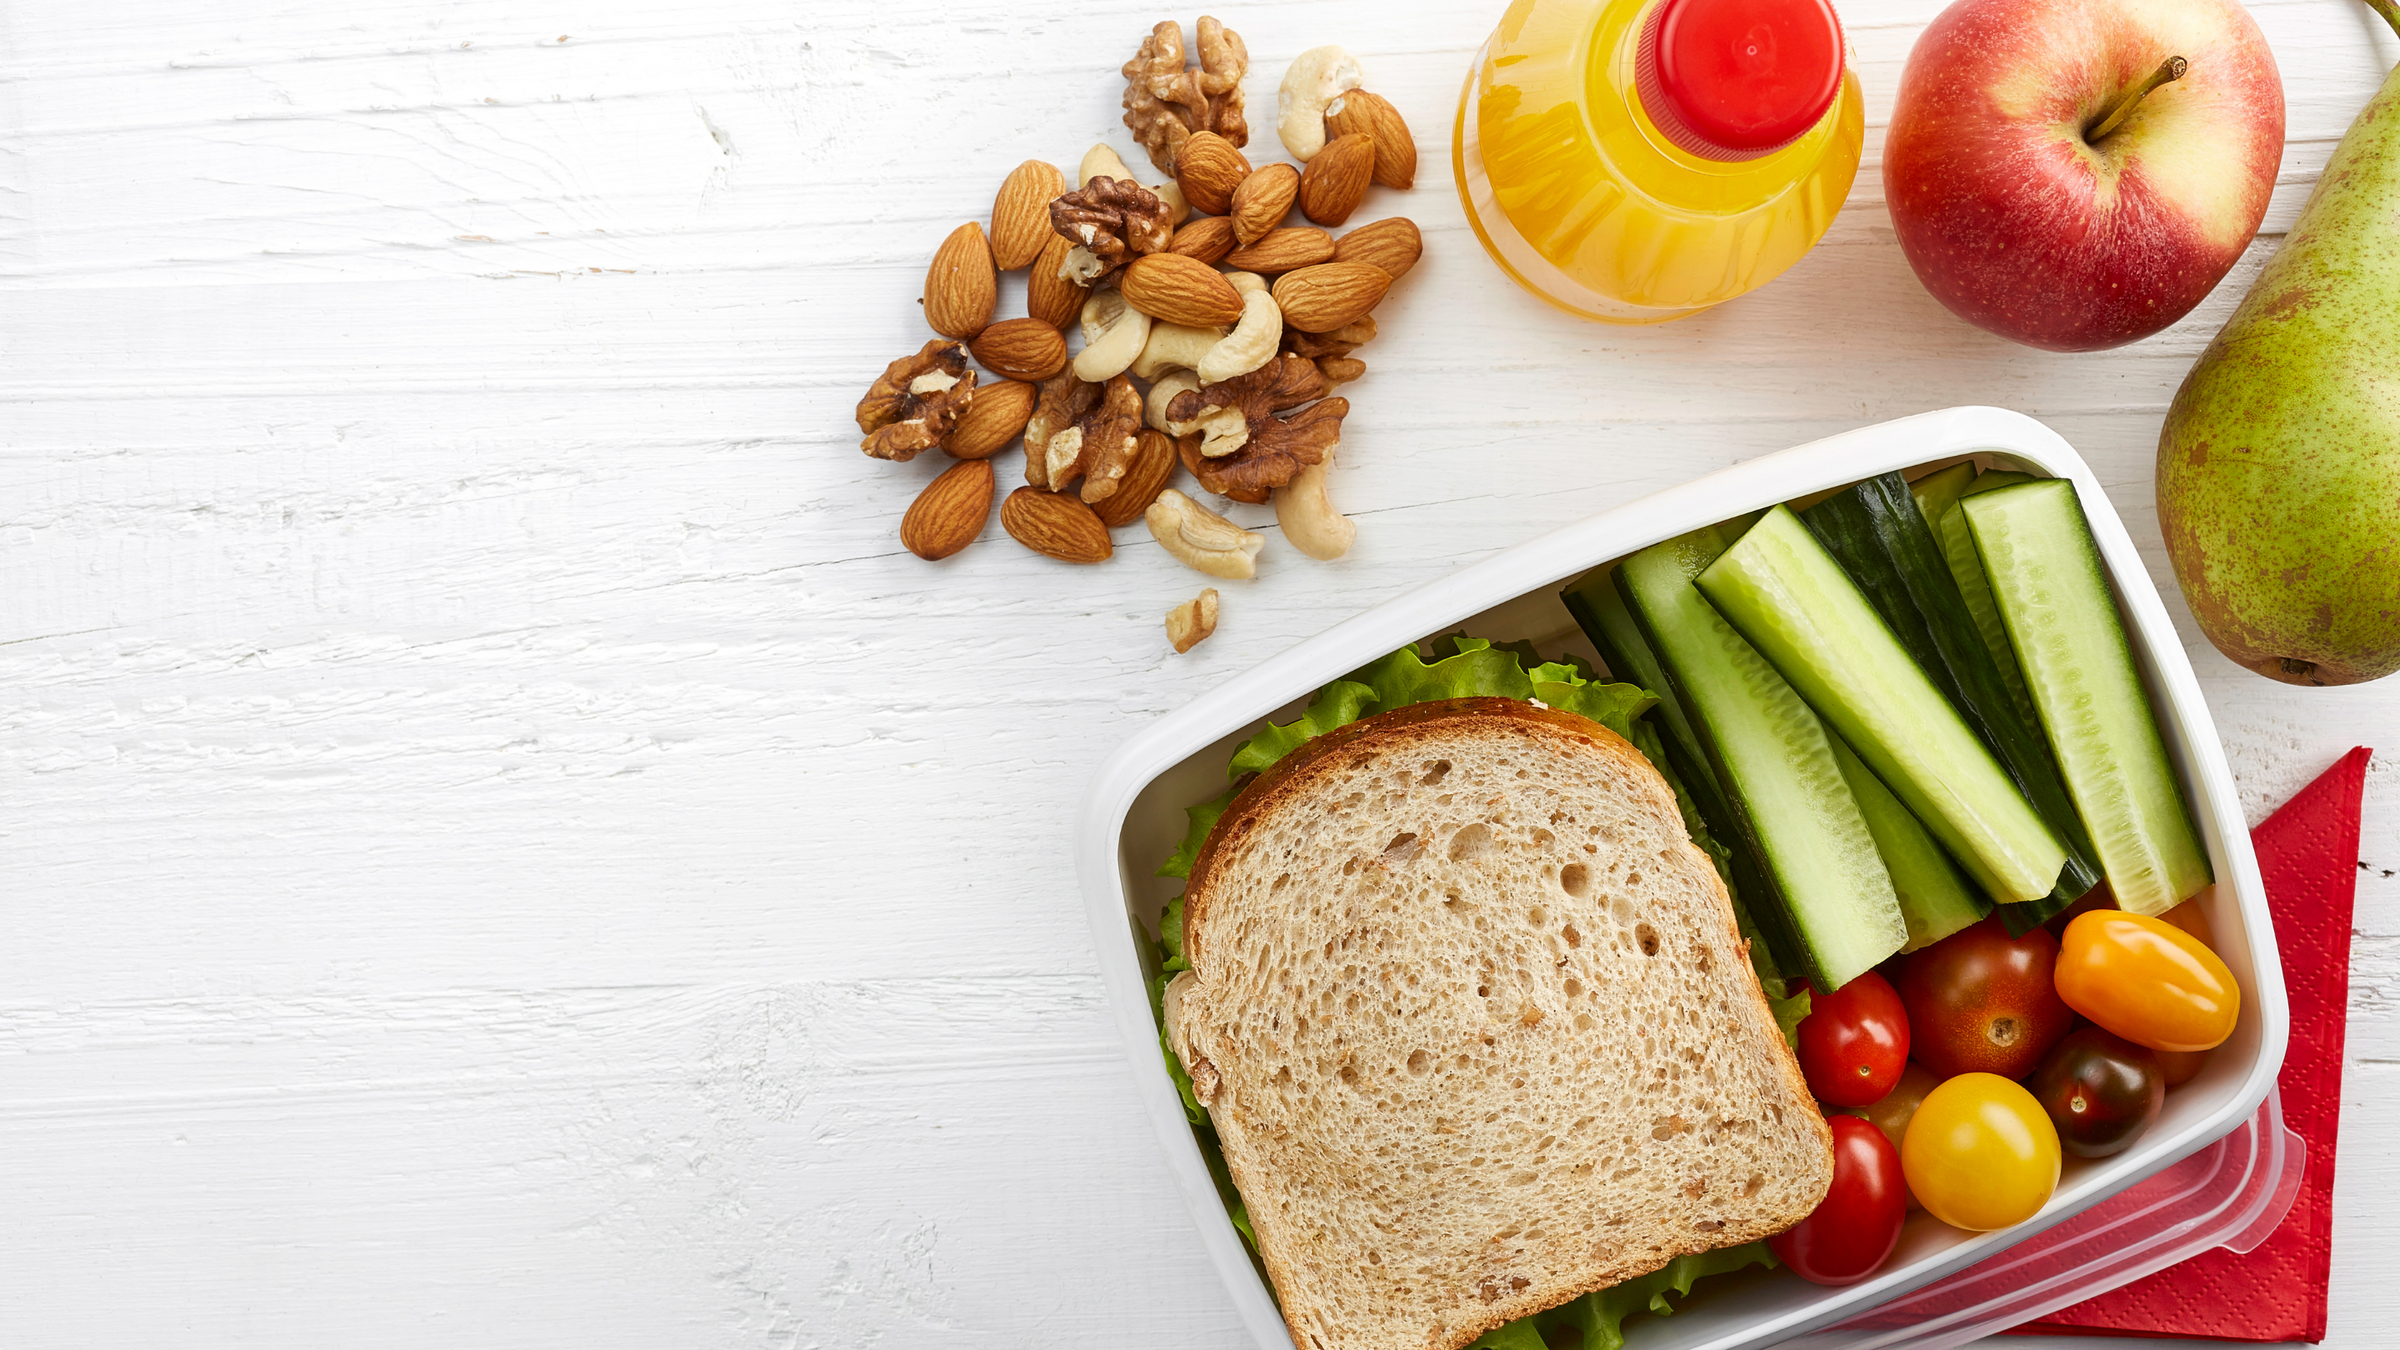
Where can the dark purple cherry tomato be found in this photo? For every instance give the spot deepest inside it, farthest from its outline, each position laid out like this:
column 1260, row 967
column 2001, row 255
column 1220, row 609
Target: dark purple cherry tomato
column 1854, row 1042
column 1980, row 1001
column 1855, row 1227
column 2101, row 1090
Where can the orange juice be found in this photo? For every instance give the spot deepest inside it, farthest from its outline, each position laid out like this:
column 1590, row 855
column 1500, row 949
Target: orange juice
column 1639, row 160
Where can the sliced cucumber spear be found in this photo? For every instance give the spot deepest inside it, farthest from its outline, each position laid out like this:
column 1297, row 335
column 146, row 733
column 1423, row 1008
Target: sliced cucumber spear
column 2062, row 624
column 1880, row 538
column 1783, row 592
column 1935, row 901
column 1826, row 899
column 1938, row 492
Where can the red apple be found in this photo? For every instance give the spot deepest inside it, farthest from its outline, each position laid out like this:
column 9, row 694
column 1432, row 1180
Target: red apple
column 2024, row 221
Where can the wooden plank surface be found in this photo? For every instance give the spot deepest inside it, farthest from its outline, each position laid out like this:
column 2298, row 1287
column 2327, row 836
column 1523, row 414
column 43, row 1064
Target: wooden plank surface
column 503, row 847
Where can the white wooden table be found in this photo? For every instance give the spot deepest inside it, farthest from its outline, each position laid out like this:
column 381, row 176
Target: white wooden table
column 502, row 846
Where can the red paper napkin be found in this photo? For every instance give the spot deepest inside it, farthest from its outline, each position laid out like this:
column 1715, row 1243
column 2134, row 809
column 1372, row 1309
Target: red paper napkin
column 2308, row 856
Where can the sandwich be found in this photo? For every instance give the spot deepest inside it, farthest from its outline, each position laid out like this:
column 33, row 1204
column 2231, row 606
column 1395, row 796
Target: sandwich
column 1470, row 1014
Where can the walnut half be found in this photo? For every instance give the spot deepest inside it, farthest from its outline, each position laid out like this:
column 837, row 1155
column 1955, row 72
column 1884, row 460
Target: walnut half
column 1082, row 430
column 1166, row 104
column 1254, row 448
column 1110, row 221
column 912, row 406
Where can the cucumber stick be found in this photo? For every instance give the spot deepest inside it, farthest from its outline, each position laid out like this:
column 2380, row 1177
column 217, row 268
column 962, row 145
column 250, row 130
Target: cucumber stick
column 1959, row 548
column 1782, row 591
column 2054, row 600
column 1828, row 901
column 1938, row 492
column 1935, row 900
column 1879, row 537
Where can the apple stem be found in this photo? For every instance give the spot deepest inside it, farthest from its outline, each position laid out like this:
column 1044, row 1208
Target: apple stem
column 2389, row 10
column 2169, row 71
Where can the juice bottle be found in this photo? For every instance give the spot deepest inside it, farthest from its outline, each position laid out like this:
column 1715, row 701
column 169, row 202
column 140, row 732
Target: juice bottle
column 1640, row 160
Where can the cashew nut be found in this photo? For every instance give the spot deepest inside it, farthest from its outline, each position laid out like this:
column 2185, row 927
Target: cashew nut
column 1253, row 341
column 1162, row 393
column 1201, row 539
column 1317, row 77
column 1174, row 344
column 1190, row 623
column 1113, row 334
column 1309, row 521
column 1179, row 207
column 1102, row 162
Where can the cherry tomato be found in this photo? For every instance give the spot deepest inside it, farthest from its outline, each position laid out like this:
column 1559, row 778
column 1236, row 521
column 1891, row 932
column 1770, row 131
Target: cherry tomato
column 1855, row 1227
column 2181, row 1066
column 1980, row 1001
column 2189, row 917
column 1854, row 1042
column 2102, row 1091
column 1981, row 1153
column 1891, row 1114
column 2148, row 981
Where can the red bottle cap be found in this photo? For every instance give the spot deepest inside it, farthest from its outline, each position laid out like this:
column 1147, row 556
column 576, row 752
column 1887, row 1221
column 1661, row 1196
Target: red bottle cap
column 1737, row 79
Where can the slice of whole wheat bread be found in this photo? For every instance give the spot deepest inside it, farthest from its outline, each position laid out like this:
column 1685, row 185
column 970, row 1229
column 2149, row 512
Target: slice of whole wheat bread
column 1475, row 1026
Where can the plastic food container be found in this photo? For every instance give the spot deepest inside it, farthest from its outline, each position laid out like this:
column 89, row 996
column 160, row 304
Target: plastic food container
column 2218, row 1168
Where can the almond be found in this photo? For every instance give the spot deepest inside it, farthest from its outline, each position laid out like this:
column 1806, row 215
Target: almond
column 1208, row 169
column 1181, row 290
column 1283, row 250
column 1049, row 296
column 1359, row 112
column 994, row 417
column 1153, row 464
column 1322, row 298
column 950, row 512
column 959, row 286
column 1055, row 525
column 1021, row 213
column 1020, row 349
column 1336, row 180
column 1392, row 244
column 1208, row 238
column 1263, row 200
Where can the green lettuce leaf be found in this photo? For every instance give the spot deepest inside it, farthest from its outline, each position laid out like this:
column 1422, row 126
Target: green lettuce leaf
column 1336, row 705
column 1199, row 820
column 1600, row 1316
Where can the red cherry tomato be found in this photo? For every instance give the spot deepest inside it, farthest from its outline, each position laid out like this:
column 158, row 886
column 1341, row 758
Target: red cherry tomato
column 1854, row 1042
column 1855, row 1227
column 1980, row 1001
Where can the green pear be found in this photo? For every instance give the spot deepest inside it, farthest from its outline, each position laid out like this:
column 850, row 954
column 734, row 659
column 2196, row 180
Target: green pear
column 2279, row 467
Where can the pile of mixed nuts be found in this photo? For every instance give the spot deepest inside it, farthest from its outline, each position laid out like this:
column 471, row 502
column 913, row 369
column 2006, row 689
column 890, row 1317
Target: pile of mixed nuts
column 1236, row 326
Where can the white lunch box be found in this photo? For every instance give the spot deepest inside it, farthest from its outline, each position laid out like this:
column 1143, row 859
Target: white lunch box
column 2234, row 1166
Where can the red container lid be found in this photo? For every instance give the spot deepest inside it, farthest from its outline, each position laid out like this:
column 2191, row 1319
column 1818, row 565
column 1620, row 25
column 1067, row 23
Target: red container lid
column 1737, row 79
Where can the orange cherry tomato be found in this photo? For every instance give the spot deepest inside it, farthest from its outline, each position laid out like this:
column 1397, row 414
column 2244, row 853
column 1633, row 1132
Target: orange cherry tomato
column 2147, row 980
column 1981, row 1153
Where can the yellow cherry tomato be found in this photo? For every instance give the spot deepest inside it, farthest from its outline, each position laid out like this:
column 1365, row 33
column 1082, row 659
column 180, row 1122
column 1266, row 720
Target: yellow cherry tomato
column 1980, row 1153
column 2146, row 980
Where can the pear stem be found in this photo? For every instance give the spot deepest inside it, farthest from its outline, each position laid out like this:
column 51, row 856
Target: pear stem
column 2169, row 71
column 2389, row 10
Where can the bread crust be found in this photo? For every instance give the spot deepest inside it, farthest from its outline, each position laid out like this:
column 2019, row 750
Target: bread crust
column 1290, row 781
